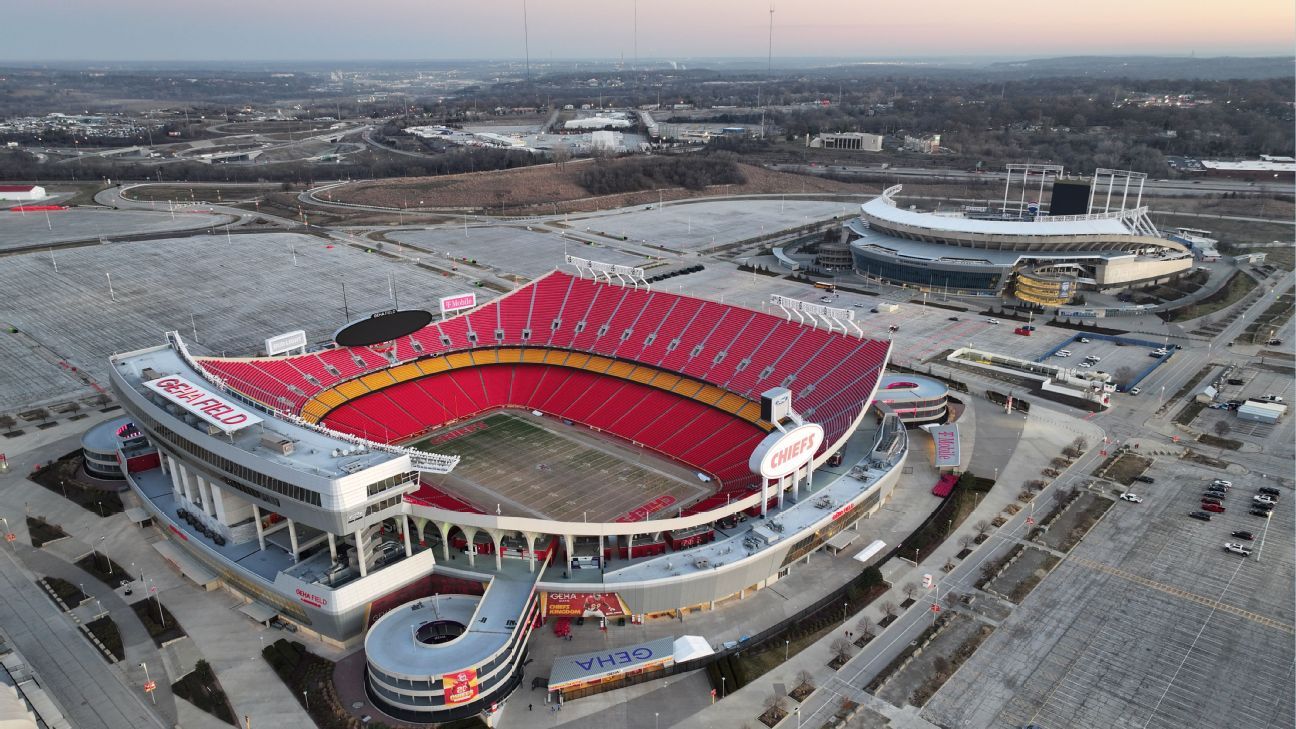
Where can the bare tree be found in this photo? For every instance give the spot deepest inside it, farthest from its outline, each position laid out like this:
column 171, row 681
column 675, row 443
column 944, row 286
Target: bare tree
column 1222, row 428
column 776, row 701
column 805, row 678
column 889, row 608
column 866, row 627
column 966, row 541
column 7, row 422
column 982, row 527
column 951, row 599
column 910, row 589
column 841, row 648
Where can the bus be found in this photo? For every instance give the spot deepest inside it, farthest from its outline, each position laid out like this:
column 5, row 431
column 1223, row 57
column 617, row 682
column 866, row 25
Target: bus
column 829, row 287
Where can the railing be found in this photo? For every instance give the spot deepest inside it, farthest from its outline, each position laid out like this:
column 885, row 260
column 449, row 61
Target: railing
column 421, row 460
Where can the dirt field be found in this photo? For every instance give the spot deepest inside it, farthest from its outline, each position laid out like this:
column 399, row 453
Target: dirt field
column 553, row 188
column 532, row 470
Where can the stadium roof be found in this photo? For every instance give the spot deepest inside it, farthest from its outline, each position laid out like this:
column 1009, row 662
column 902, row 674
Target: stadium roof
column 884, row 209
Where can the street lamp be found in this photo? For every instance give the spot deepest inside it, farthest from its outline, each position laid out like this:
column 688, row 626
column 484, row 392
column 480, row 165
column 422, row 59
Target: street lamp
column 797, row 710
column 657, row 719
column 722, row 687
column 787, row 644
column 307, row 698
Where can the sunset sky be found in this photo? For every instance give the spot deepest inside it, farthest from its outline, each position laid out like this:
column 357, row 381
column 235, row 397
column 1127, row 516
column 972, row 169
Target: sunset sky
column 668, row 29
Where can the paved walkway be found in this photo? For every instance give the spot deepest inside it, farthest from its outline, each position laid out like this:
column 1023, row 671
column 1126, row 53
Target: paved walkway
column 90, row 693
column 139, row 646
column 227, row 639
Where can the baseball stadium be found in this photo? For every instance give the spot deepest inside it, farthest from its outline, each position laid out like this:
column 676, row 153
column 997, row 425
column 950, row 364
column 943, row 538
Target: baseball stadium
column 582, row 446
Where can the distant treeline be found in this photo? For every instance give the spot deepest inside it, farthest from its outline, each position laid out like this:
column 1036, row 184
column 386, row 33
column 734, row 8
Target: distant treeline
column 610, row 177
column 20, row 165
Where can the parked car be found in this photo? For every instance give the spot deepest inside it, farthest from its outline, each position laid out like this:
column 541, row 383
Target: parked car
column 1085, row 364
column 1134, row 391
column 1262, row 499
column 1092, row 358
column 1203, row 516
column 1222, row 482
column 1217, row 508
column 1236, row 548
column 1221, row 495
column 1270, row 398
column 1063, row 353
column 1271, row 491
column 1083, row 340
column 953, row 318
column 1243, row 534
column 1273, row 342
column 993, row 321
column 1145, row 479
column 1132, row 498
column 1260, row 512
column 1211, row 501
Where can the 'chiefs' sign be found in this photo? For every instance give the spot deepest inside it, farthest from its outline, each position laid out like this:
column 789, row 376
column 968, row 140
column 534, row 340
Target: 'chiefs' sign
column 783, row 453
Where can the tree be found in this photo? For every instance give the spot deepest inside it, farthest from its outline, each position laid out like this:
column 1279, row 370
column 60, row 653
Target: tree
column 910, row 589
column 805, row 678
column 7, row 422
column 775, row 702
column 966, row 541
column 1222, row 428
column 982, row 528
column 841, row 648
column 889, row 608
column 866, row 627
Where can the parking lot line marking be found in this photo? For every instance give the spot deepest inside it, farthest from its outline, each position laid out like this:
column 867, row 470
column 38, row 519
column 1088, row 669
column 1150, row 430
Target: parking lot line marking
column 1190, row 596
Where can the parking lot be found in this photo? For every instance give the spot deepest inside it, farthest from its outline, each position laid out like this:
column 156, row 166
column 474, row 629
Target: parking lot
column 24, row 229
column 1148, row 622
column 1123, row 361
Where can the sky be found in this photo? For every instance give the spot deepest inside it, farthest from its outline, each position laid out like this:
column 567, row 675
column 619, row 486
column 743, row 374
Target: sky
column 199, row 30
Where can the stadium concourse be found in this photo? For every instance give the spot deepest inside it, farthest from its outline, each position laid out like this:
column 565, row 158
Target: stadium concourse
column 664, row 422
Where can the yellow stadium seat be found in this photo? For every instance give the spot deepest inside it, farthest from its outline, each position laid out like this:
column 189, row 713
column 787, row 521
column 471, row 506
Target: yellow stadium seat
column 509, row 355
column 459, row 359
column 352, row 389
column 330, row 398
column 534, row 355
column 378, row 380
column 433, row 365
column 405, row 372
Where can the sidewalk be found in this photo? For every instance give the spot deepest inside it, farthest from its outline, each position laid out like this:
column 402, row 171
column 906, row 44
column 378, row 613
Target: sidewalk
column 1046, row 433
column 227, row 639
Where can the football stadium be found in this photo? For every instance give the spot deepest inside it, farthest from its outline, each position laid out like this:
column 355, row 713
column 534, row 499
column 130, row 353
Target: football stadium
column 582, row 446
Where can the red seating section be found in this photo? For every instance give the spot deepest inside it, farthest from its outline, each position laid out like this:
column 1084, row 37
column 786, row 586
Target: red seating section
column 689, row 431
column 744, row 351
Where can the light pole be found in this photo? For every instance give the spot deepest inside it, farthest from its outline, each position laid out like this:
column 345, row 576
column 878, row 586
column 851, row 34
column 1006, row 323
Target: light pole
column 657, row 719
column 307, row 698
column 149, row 686
column 722, row 687
column 787, row 644
column 797, row 710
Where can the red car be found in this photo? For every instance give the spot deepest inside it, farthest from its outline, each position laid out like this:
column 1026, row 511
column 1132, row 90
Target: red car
column 1215, row 502
column 1213, row 507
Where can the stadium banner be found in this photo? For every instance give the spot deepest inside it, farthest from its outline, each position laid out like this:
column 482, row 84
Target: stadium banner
column 781, row 453
column 213, row 409
column 1081, row 313
column 946, row 438
column 458, row 302
column 460, row 686
column 582, row 604
column 286, row 342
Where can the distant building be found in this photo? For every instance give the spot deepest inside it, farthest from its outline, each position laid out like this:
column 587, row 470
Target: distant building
column 925, row 145
column 853, row 141
column 1261, row 412
column 1267, row 167
column 22, row 192
column 612, row 120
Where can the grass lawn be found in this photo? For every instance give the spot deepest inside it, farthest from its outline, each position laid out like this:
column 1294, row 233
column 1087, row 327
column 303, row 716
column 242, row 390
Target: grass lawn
column 200, row 688
column 42, row 531
column 161, row 627
column 63, row 478
column 69, row 593
column 104, row 569
column 1238, row 285
column 106, row 631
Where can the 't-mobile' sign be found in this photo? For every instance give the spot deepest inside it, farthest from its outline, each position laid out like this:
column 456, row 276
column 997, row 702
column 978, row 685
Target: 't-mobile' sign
column 783, row 453
column 458, row 302
column 212, row 408
column 946, row 440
